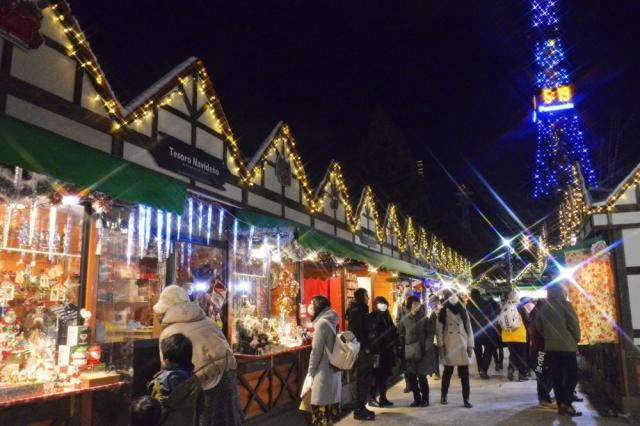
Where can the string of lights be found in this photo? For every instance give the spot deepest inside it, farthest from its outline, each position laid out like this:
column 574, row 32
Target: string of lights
column 411, row 236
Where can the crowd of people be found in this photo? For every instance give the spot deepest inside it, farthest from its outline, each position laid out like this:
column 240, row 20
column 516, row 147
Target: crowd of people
column 197, row 381
column 541, row 337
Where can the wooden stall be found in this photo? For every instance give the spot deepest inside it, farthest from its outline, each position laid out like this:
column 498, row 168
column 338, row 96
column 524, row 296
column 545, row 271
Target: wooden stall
column 271, row 383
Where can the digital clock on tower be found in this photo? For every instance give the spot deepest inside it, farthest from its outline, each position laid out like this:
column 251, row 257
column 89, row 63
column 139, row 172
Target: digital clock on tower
column 555, row 99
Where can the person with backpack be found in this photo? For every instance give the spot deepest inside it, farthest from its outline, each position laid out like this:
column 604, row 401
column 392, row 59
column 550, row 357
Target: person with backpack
column 215, row 365
column 416, row 331
column 483, row 322
column 175, row 386
column 513, row 318
column 360, row 325
column 538, row 360
column 326, row 380
column 559, row 326
column 455, row 341
column 383, row 348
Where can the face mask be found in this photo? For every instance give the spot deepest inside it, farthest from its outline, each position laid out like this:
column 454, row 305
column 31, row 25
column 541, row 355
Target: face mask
column 454, row 299
column 382, row 307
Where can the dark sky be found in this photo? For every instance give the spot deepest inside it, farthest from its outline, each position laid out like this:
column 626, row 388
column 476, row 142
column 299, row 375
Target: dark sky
column 455, row 76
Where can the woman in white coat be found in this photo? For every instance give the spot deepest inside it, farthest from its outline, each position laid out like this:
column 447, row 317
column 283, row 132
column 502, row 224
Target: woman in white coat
column 455, row 341
column 215, row 365
column 326, row 384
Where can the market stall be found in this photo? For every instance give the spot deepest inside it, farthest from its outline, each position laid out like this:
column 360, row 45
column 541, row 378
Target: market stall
column 270, row 342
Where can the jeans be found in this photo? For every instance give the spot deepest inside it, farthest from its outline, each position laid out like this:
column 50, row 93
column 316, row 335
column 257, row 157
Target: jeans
column 463, row 373
column 419, row 385
column 544, row 382
column 485, row 350
column 518, row 357
column 564, row 372
column 364, row 373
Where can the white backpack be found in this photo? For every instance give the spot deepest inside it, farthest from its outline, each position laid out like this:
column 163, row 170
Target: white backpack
column 345, row 350
column 510, row 317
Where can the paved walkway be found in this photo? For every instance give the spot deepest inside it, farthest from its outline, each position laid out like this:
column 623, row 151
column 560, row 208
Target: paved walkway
column 495, row 402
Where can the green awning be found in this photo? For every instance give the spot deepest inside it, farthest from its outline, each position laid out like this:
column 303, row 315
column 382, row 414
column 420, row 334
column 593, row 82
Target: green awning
column 319, row 241
column 41, row 151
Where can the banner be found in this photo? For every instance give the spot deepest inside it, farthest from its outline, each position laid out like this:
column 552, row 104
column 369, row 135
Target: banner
column 594, row 296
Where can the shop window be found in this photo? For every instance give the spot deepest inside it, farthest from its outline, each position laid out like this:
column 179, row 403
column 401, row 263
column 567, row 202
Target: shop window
column 129, row 282
column 201, row 271
column 264, row 295
column 40, row 256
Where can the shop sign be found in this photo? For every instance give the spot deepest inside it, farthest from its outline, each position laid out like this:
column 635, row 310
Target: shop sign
column 20, row 23
column 369, row 241
column 176, row 156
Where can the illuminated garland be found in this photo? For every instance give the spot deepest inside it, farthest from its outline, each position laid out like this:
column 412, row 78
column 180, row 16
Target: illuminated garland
column 440, row 255
column 572, row 210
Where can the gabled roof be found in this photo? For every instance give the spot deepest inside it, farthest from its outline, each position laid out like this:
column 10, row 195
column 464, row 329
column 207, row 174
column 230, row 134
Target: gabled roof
column 193, row 68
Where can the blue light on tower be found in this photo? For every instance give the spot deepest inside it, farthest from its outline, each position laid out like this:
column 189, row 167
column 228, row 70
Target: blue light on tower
column 560, row 141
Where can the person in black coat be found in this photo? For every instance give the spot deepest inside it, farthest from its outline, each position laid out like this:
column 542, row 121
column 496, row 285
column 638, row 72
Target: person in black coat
column 498, row 355
column 360, row 325
column 484, row 321
column 383, row 348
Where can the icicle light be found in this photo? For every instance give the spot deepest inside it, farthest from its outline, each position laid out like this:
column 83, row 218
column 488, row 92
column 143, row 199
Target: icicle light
column 53, row 216
column 190, row 223
column 159, row 237
column 220, row 223
column 209, row 213
column 168, row 234
column 131, row 226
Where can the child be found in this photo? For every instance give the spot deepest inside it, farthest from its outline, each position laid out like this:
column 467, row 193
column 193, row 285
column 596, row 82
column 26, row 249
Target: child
column 175, row 386
column 145, row 411
column 177, row 367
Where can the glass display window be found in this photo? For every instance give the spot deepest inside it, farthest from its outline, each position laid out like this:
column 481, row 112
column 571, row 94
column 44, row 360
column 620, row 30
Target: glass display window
column 264, row 295
column 131, row 273
column 40, row 257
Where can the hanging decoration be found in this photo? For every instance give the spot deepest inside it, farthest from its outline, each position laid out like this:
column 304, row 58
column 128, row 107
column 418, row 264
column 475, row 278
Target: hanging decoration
column 220, row 222
column 130, row 235
column 53, row 212
column 200, row 217
column 168, row 235
column 159, row 237
column 141, row 230
column 235, row 237
column 209, row 213
column 66, row 244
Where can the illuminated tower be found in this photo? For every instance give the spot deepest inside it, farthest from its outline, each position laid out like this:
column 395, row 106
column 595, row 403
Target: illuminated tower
column 560, row 141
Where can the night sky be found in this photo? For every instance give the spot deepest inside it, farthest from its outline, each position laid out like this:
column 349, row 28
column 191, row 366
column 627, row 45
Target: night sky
column 454, row 76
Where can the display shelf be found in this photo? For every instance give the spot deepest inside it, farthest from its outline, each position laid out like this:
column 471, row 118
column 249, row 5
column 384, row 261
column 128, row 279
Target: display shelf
column 55, row 395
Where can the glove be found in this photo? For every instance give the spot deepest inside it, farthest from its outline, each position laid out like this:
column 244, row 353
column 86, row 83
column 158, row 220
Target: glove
column 470, row 352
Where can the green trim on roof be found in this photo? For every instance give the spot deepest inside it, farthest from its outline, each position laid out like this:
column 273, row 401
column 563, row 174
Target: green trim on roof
column 319, row 241
column 41, row 151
